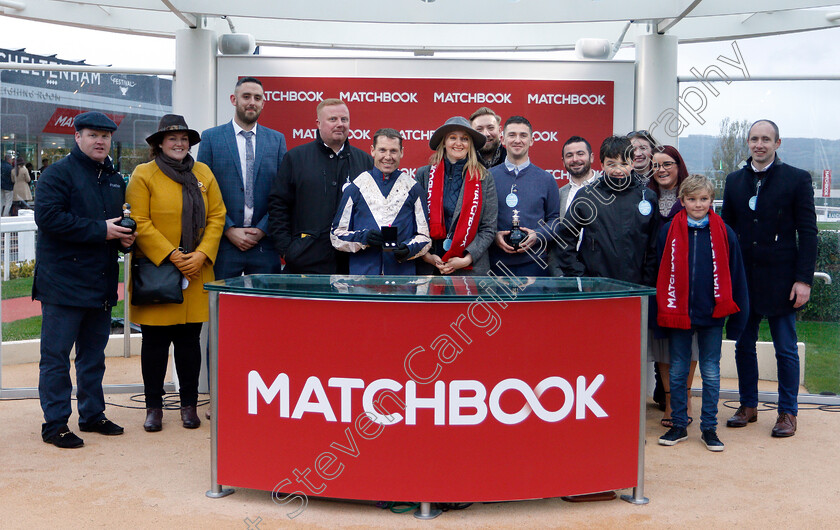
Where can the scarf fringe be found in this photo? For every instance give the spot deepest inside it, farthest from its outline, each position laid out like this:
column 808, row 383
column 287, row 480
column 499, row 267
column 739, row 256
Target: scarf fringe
column 672, row 283
column 673, row 321
column 725, row 308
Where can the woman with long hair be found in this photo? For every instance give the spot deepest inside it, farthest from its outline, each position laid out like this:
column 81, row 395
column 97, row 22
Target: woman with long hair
column 180, row 217
column 461, row 200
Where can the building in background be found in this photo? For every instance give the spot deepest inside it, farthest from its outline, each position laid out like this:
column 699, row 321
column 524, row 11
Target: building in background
column 37, row 108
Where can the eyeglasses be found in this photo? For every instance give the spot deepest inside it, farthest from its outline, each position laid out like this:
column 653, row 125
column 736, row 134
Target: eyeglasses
column 664, row 165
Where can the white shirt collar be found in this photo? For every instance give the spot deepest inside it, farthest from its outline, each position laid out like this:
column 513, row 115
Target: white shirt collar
column 585, row 182
column 768, row 166
column 513, row 168
column 237, row 129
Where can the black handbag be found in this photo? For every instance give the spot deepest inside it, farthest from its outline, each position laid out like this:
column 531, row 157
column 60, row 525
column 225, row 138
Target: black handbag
column 152, row 285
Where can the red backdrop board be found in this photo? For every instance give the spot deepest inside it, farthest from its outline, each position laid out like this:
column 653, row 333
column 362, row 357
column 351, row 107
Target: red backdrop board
column 294, row 376
column 557, row 110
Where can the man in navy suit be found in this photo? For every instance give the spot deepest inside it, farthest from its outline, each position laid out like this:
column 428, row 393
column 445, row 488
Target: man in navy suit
column 770, row 206
column 244, row 158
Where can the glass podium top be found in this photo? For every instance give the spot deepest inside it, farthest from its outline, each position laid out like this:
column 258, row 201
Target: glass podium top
column 427, row 288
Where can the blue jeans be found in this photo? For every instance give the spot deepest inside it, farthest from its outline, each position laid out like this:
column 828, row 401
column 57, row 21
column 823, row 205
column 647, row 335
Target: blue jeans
column 61, row 327
column 709, row 340
column 783, row 331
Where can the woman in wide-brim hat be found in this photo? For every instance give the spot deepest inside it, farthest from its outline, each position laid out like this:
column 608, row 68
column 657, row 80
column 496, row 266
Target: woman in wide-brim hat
column 180, row 217
column 462, row 202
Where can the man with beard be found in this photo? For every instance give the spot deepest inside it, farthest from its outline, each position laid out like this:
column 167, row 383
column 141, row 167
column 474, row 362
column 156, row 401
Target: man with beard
column 307, row 190
column 488, row 123
column 245, row 159
column 578, row 158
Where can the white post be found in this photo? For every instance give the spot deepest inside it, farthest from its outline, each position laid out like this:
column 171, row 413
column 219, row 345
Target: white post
column 194, row 97
column 656, row 86
column 194, row 91
column 7, row 240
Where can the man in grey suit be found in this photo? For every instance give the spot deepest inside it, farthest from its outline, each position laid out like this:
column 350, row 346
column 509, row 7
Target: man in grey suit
column 578, row 158
column 244, row 158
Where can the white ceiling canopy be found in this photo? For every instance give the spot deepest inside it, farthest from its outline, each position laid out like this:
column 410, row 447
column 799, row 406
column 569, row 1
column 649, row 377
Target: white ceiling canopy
column 437, row 25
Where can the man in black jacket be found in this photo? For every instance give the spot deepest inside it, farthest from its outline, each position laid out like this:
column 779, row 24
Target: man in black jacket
column 488, row 123
column 770, row 205
column 78, row 203
column 307, row 190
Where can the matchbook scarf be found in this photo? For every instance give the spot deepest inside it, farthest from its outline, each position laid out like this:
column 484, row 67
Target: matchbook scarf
column 468, row 220
column 672, row 282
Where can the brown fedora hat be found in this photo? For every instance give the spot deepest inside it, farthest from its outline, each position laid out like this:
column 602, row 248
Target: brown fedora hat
column 172, row 123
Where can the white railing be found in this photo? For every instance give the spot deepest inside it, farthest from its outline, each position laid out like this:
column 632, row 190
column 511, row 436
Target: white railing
column 24, row 228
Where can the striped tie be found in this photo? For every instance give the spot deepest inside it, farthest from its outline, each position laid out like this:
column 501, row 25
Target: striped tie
column 249, row 168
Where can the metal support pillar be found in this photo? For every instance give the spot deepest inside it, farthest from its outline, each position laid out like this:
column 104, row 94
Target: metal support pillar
column 426, row 512
column 638, row 496
column 194, row 97
column 194, row 89
column 656, row 87
column 216, row 490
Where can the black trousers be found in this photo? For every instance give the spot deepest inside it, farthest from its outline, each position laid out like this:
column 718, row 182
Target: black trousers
column 155, row 356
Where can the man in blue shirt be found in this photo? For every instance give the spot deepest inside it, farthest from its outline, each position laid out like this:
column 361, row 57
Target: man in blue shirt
column 532, row 192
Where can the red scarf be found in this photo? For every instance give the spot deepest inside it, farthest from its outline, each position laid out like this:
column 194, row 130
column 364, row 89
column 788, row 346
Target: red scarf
column 467, row 225
column 672, row 282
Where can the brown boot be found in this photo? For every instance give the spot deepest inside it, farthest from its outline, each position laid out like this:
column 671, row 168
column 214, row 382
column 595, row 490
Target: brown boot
column 154, row 419
column 743, row 416
column 189, row 418
column 785, row 425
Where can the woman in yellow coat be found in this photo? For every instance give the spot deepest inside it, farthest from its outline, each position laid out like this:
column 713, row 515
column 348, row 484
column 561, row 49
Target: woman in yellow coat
column 180, row 217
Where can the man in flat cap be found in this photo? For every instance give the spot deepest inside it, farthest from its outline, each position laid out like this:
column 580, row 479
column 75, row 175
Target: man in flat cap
column 78, row 204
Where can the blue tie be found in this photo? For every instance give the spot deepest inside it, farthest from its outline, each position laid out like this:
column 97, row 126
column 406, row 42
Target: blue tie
column 249, row 168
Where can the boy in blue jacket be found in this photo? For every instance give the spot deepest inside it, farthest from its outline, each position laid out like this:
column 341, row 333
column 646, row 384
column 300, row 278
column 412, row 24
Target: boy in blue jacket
column 701, row 281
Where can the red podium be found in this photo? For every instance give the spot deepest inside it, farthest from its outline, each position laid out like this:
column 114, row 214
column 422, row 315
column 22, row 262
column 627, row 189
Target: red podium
column 427, row 389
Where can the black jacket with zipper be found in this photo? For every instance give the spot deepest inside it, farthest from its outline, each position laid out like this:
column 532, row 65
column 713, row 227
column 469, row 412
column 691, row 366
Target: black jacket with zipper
column 303, row 202
column 75, row 265
column 619, row 239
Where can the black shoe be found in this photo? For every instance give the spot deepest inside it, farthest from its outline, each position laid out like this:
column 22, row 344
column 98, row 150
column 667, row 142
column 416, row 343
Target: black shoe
column 674, row 436
column 189, row 417
column 65, row 439
column 154, row 420
column 711, row 441
column 103, row 426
